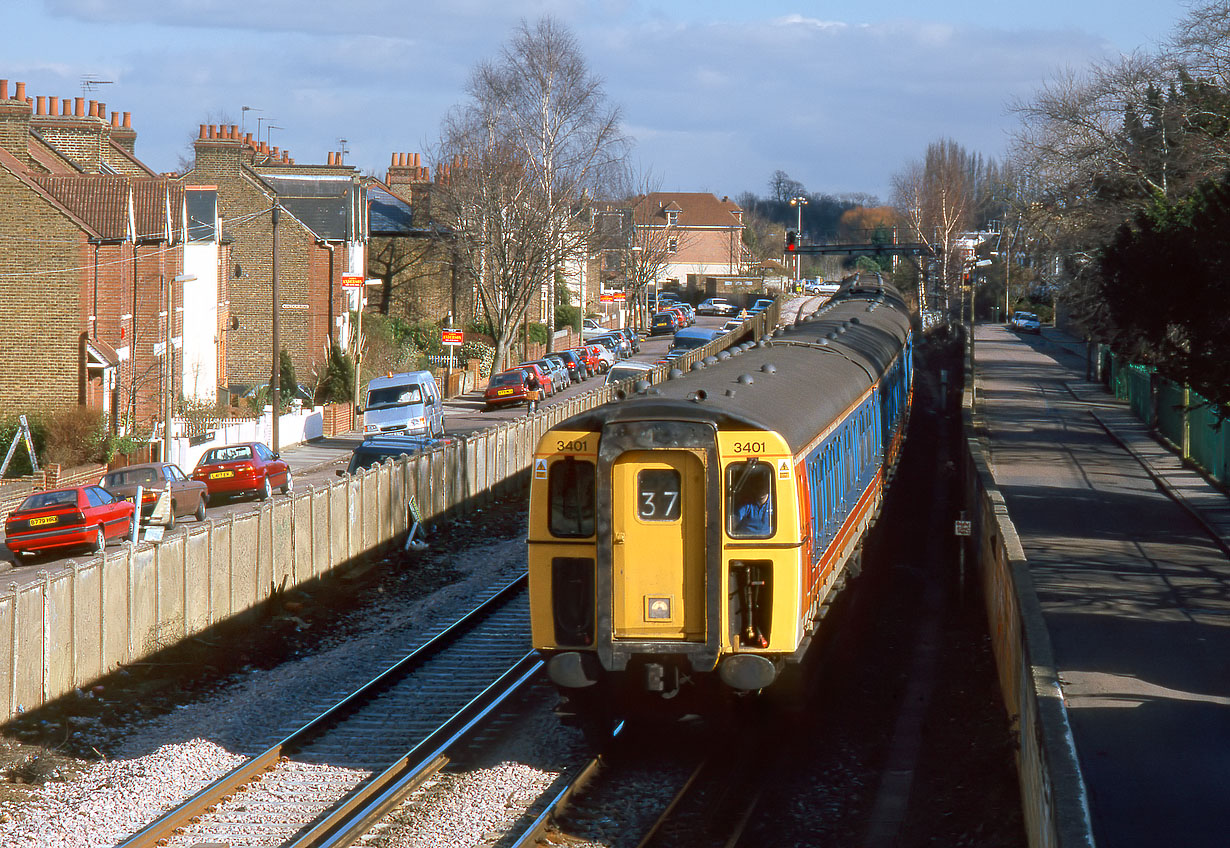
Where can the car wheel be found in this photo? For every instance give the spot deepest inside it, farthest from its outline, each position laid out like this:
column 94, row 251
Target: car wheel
column 199, row 515
column 289, row 485
column 100, row 540
column 266, row 491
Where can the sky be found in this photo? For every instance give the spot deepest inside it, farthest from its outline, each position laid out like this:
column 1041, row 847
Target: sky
column 717, row 95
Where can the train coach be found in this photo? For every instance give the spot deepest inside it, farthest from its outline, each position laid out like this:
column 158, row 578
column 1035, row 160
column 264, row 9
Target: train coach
column 683, row 541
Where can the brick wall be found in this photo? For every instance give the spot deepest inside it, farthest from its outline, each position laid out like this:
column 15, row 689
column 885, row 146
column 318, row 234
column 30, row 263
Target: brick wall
column 42, row 305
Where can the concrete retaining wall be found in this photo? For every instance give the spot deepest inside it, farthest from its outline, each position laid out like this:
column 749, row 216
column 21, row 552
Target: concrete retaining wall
column 1052, row 788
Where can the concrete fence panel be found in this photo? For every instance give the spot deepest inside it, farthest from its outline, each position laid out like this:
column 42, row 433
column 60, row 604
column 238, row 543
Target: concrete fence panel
column 8, row 647
column 340, row 519
column 113, row 601
column 169, row 557
column 245, row 567
column 59, row 610
column 143, row 602
column 88, row 619
column 398, row 499
column 197, row 576
column 282, row 515
column 304, row 534
column 320, row 530
column 368, row 512
column 222, row 601
column 383, row 507
column 29, row 644
column 264, row 550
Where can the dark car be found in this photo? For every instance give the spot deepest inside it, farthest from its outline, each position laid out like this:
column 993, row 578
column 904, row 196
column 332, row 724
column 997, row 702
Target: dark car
column 664, row 324
column 247, row 468
column 377, row 449
column 188, row 496
column 67, row 518
column 573, row 364
column 632, row 337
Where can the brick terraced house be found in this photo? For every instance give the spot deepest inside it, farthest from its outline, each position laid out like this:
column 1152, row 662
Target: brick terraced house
column 704, row 234
column 90, row 240
column 321, row 240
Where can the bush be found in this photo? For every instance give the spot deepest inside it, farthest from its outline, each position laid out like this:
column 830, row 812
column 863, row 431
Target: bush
column 336, row 384
column 538, row 333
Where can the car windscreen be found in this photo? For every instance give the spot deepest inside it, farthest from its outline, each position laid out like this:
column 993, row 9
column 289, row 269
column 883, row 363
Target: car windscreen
column 129, row 477
column 45, row 499
column 227, row 454
column 508, row 378
column 394, row 396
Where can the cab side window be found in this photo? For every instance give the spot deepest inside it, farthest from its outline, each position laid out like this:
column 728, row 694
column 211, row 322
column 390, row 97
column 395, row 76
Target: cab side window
column 570, row 498
column 750, row 501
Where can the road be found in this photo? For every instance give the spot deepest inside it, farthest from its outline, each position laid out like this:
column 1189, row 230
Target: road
column 316, row 463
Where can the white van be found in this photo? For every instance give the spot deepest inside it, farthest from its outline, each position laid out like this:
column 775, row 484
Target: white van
column 407, row 403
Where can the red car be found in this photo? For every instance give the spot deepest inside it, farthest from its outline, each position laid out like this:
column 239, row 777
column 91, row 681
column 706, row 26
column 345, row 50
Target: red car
column 248, row 468
column 507, row 387
column 66, row 518
column 593, row 362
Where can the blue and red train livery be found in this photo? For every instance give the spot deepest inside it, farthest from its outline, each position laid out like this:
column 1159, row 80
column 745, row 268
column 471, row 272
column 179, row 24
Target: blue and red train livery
column 684, row 541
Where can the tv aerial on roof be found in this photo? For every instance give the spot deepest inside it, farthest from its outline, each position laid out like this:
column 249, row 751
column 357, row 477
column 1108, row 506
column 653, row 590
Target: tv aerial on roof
column 89, row 82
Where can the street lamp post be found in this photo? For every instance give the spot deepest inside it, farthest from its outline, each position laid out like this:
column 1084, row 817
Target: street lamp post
column 799, row 202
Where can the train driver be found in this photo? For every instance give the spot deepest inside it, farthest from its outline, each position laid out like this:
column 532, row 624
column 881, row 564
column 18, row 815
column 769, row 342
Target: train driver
column 754, row 517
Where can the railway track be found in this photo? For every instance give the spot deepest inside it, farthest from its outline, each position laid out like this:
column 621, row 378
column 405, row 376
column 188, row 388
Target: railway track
column 332, row 779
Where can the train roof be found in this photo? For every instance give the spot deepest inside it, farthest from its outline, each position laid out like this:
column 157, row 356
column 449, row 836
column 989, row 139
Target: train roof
column 795, row 383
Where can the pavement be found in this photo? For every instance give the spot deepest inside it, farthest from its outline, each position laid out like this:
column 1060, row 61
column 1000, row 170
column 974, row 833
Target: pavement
column 1127, row 548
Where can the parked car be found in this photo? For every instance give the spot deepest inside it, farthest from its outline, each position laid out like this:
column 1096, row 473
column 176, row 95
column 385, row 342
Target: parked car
column 605, row 357
column 247, row 468
column 664, row 323
column 556, row 371
column 732, row 324
column 761, row 305
column 574, row 362
column 593, row 362
column 506, row 388
column 716, row 306
column 689, row 312
column 628, row 371
column 376, row 449
column 633, row 338
column 404, row 403
column 1026, row 322
column 67, row 518
column 616, row 343
column 591, row 327
column 544, row 378
column 188, row 496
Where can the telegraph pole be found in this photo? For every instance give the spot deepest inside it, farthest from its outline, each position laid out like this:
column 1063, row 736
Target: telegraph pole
column 276, row 379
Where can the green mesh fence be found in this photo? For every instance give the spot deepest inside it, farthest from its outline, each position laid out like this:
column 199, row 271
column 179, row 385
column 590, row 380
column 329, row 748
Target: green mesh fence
column 1161, row 403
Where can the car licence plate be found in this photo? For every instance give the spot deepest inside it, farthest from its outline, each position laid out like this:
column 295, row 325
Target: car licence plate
column 218, row 475
column 46, row 519
column 503, row 392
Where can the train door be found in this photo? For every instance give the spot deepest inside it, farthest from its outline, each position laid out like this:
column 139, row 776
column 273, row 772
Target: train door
column 658, row 545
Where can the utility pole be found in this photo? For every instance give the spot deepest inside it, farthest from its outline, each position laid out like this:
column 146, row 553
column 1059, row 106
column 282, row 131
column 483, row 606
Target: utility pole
column 275, row 380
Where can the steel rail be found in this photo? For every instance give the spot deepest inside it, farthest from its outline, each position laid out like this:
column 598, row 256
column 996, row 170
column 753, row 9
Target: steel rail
column 373, row 800
column 206, row 799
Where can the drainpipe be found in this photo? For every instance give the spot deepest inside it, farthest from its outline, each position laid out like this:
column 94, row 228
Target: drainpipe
column 329, row 248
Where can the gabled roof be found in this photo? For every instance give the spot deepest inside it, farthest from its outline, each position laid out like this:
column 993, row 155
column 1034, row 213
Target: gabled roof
column 112, row 205
column 48, row 157
column 321, row 202
column 695, row 208
column 18, row 169
column 389, row 215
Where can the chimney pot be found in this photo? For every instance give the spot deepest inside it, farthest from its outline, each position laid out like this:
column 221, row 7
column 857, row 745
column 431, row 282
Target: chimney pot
column 416, row 160
column 128, row 120
column 329, row 158
column 202, row 132
column 42, row 105
column 79, row 107
column 247, row 139
column 235, row 131
column 393, row 161
column 115, row 120
column 21, row 91
column 93, row 108
column 53, row 105
column 102, row 110
column 4, row 89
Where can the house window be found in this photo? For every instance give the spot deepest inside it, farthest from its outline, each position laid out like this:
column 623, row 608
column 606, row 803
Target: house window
column 672, row 218
column 611, row 260
column 672, row 245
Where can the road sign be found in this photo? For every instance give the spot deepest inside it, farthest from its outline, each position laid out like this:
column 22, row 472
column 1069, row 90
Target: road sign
column 963, row 528
column 352, row 281
column 452, row 337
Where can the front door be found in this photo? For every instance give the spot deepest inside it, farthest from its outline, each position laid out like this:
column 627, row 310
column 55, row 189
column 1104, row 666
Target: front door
column 658, row 545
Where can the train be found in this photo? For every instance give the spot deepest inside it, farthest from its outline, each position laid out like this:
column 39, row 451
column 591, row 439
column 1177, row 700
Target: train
column 685, row 539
